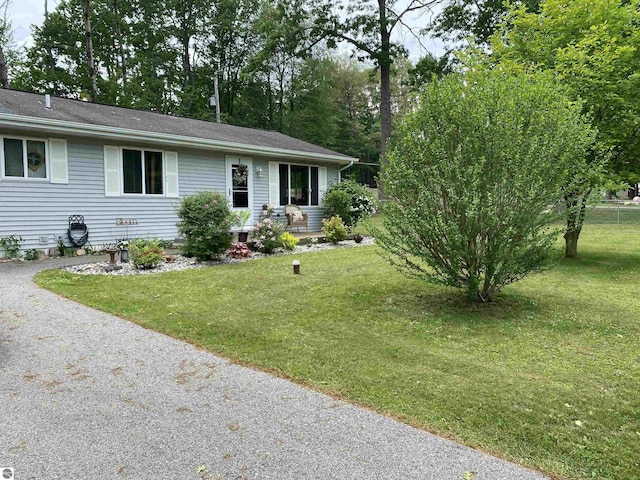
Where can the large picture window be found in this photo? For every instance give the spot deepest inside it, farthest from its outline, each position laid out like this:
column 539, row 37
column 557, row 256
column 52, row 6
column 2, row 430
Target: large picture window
column 142, row 172
column 298, row 184
column 24, row 158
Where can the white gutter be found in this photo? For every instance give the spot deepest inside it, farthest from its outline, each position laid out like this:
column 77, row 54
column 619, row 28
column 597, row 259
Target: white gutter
column 64, row 127
column 344, row 168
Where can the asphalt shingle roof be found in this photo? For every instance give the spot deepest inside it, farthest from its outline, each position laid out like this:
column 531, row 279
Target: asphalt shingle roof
column 32, row 105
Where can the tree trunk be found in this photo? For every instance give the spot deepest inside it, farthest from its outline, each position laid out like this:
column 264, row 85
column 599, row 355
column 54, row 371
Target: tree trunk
column 186, row 57
column 577, row 210
column 50, row 59
column 86, row 11
column 384, row 62
column 571, row 243
column 123, row 58
column 4, row 71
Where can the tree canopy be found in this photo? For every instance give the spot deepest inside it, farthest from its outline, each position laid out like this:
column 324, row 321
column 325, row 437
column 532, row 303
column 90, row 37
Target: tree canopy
column 593, row 48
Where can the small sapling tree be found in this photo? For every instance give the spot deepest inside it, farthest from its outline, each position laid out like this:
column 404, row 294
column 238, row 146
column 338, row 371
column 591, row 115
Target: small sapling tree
column 475, row 178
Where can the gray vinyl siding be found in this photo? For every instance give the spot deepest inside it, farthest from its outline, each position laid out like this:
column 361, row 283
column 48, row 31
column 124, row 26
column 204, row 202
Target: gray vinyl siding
column 41, row 209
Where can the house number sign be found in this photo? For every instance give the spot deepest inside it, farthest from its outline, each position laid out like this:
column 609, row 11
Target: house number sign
column 126, row 222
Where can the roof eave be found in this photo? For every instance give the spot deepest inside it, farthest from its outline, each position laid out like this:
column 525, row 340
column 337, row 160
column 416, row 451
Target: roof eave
column 64, row 127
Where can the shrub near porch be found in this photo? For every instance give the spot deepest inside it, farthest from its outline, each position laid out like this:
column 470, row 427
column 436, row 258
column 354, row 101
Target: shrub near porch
column 546, row 376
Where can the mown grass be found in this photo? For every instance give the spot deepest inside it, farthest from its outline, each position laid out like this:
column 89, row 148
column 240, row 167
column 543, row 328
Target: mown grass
column 546, row 376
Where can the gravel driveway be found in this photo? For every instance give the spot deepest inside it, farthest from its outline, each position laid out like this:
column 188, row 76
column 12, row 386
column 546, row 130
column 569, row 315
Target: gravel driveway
column 85, row 395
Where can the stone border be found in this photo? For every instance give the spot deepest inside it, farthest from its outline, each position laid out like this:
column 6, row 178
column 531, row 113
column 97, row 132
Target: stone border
column 185, row 263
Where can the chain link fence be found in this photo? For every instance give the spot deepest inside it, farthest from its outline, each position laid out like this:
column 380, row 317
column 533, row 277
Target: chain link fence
column 615, row 212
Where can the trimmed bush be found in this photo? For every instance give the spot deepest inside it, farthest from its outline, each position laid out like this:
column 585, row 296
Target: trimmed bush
column 267, row 235
column 289, row 242
column 145, row 254
column 205, row 222
column 351, row 201
column 334, row 229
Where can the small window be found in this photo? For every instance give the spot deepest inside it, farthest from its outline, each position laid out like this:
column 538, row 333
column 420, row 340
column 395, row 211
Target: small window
column 298, row 184
column 142, row 172
column 153, row 180
column 24, row 158
column 284, row 184
column 240, row 186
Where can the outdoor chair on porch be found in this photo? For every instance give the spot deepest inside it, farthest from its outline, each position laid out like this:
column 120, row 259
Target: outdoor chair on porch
column 296, row 217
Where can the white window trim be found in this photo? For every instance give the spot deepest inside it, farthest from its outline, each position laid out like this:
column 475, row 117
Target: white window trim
column 26, row 177
column 143, row 194
column 289, row 185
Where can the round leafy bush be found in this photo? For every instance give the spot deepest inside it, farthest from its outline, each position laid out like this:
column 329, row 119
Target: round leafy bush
column 267, row 235
column 474, row 177
column 351, row 201
column 145, row 254
column 205, row 222
column 289, row 242
column 334, row 229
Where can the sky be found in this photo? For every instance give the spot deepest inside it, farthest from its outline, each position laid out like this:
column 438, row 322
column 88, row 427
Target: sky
column 25, row 13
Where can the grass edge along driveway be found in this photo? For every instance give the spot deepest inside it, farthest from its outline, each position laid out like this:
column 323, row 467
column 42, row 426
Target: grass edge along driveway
column 546, row 376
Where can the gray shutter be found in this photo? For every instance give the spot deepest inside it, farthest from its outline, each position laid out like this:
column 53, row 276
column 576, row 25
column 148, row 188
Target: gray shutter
column 171, row 174
column 274, row 194
column 58, row 162
column 111, row 171
column 322, row 182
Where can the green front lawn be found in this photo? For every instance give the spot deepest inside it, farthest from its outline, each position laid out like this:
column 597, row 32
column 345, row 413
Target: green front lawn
column 547, row 376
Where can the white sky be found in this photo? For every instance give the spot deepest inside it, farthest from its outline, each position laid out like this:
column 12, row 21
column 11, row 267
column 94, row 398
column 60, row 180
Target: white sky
column 25, row 13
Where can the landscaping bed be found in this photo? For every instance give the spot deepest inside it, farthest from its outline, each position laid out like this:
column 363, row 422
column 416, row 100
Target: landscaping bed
column 175, row 263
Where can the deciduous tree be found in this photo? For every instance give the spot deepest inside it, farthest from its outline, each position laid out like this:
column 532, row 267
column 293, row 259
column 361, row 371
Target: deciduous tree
column 592, row 47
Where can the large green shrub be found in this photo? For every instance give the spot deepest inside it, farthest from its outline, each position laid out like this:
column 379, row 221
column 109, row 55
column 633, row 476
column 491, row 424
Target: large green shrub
column 474, row 176
column 350, row 201
column 205, row 222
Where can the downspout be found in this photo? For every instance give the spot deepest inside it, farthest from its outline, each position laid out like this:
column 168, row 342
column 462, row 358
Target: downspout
column 344, row 168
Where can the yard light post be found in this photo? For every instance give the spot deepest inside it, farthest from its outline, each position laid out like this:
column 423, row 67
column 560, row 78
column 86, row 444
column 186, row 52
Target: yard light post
column 296, row 267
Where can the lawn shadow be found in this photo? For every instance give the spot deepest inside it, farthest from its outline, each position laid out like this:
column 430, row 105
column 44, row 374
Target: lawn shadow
column 553, row 307
column 607, row 265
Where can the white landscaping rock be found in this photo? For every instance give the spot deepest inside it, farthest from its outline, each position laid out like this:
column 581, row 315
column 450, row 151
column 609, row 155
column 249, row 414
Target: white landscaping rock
column 186, row 263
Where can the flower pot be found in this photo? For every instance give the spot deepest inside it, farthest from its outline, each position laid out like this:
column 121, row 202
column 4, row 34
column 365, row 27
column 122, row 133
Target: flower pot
column 124, row 256
column 243, row 237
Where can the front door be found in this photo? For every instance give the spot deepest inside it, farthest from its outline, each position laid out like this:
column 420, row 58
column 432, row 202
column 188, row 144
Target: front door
column 239, row 182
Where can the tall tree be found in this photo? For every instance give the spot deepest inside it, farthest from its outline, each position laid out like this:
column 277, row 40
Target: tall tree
column 593, row 47
column 355, row 94
column 368, row 26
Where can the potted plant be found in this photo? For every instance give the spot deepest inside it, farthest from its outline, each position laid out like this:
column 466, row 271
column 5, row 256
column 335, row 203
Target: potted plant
column 123, row 246
column 243, row 216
